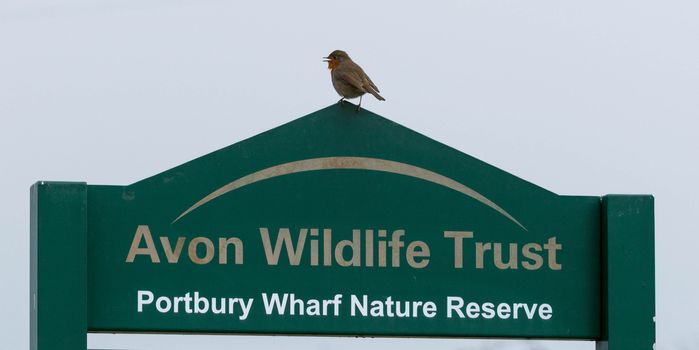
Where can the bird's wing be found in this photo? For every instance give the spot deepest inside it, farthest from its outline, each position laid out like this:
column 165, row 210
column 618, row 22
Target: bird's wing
column 371, row 83
column 351, row 77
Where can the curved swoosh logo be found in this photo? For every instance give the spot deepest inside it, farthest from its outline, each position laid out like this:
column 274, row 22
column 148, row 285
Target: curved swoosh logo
column 361, row 163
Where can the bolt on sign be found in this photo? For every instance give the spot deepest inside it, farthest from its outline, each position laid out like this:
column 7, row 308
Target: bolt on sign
column 340, row 223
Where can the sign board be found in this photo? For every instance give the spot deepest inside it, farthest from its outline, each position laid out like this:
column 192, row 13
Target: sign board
column 340, row 223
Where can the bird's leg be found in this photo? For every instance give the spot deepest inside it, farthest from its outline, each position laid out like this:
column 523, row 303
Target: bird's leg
column 341, row 101
column 359, row 106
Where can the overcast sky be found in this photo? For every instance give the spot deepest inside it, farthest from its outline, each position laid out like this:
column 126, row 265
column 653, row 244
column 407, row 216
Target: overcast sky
column 579, row 97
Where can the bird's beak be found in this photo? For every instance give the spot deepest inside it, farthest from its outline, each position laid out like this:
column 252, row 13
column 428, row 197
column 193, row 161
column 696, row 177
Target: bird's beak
column 326, row 59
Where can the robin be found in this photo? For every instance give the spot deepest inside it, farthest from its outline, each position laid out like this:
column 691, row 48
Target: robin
column 349, row 79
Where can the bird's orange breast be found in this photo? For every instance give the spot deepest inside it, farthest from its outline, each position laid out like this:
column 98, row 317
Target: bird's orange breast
column 333, row 63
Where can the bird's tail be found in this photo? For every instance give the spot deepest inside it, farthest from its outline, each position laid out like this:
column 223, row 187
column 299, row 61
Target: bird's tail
column 376, row 94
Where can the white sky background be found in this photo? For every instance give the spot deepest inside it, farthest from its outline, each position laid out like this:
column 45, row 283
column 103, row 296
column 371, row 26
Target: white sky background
column 580, row 97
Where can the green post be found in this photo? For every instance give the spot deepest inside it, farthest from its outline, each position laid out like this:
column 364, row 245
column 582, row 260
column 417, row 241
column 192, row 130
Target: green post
column 628, row 273
column 58, row 274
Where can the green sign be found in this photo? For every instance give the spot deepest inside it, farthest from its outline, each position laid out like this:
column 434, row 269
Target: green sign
column 340, row 223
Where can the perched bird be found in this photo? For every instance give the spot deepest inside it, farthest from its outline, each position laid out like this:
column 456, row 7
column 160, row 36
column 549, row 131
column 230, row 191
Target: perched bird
column 349, row 79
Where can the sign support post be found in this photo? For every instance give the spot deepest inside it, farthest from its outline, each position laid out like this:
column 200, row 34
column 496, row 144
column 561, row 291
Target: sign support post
column 628, row 273
column 58, row 266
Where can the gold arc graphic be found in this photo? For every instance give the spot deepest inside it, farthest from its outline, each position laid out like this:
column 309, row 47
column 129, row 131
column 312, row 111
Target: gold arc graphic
column 360, row 163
